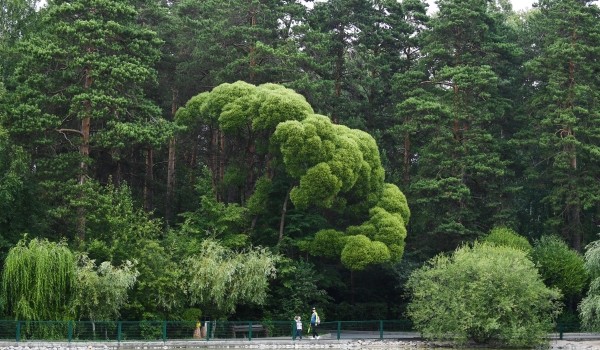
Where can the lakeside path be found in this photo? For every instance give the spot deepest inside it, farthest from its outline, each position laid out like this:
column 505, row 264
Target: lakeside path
column 350, row 344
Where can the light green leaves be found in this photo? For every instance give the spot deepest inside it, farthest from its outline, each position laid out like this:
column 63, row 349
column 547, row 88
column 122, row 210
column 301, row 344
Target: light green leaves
column 360, row 252
column 223, row 279
column 324, row 166
column 100, row 291
column 37, row 278
column 483, row 293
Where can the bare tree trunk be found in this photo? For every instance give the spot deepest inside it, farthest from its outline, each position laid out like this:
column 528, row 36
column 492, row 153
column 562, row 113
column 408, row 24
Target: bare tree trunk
column 282, row 219
column 84, row 152
column 170, row 181
column 339, row 73
column 252, row 53
column 407, row 157
column 149, row 178
column 171, row 166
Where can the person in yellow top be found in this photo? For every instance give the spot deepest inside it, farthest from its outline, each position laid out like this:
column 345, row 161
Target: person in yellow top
column 197, row 333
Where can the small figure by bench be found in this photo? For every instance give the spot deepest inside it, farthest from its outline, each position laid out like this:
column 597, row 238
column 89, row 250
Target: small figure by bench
column 245, row 328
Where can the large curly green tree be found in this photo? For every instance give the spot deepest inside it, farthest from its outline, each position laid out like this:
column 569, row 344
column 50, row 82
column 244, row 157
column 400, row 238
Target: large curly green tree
column 260, row 139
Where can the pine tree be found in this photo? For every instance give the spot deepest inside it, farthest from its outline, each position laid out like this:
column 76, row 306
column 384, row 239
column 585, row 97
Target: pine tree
column 457, row 160
column 77, row 100
column 564, row 115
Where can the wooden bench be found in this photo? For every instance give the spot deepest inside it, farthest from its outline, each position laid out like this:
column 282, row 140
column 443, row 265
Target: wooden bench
column 245, row 329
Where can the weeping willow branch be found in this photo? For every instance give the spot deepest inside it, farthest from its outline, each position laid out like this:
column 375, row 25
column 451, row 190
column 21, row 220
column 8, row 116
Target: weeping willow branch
column 37, row 280
column 223, row 279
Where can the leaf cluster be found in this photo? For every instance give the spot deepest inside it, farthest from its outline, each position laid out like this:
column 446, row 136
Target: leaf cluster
column 483, row 293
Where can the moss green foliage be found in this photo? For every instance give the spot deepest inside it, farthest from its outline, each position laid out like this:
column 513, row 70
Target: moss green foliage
column 504, row 236
column 222, row 279
column 38, row 279
column 340, row 168
column 323, row 165
column 560, row 266
column 360, row 251
column 237, row 105
column 589, row 308
column 483, row 293
column 328, row 243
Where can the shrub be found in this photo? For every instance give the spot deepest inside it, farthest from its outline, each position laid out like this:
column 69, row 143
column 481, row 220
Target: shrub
column 560, row 266
column 589, row 309
column 506, row 237
column 483, row 293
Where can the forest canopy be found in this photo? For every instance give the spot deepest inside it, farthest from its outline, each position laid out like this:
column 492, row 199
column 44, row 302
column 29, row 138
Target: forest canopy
column 341, row 145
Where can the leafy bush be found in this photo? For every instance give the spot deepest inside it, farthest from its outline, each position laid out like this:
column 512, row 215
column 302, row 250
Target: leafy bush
column 484, row 293
column 560, row 266
column 503, row 236
column 589, row 309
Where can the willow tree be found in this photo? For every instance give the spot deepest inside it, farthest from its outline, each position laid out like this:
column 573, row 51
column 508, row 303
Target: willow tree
column 220, row 279
column 37, row 280
column 101, row 291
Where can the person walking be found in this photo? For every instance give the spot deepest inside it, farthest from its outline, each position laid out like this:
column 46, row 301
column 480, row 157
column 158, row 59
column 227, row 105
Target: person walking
column 314, row 322
column 298, row 328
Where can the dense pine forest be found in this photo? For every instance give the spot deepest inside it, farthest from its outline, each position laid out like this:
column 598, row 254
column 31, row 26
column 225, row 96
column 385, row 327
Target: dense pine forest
column 250, row 159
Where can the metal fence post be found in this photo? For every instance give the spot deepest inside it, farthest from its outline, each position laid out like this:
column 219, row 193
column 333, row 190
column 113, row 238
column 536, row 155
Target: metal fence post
column 560, row 331
column 164, row 331
column 70, row 331
column 250, row 330
column 381, row 329
column 18, row 335
column 339, row 329
column 119, row 330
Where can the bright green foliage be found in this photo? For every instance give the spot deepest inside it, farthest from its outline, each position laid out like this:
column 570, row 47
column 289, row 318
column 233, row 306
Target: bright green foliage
column 589, row 308
column 222, row 279
column 101, row 291
column 506, row 237
column 340, row 168
column 328, row 159
column 560, row 266
column 484, row 293
column 324, row 166
column 38, row 279
column 360, row 251
column 328, row 243
column 240, row 118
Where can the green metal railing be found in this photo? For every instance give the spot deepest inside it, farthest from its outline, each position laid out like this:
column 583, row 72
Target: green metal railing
column 118, row 331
